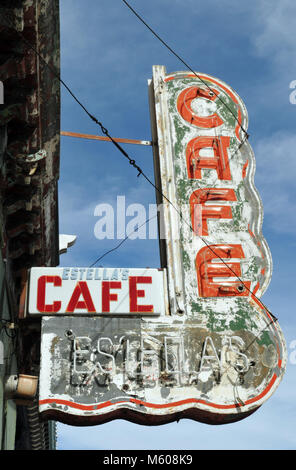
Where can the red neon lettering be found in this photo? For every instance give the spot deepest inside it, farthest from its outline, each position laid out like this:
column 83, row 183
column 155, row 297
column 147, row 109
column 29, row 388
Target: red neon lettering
column 87, row 303
column 135, row 294
column 41, row 293
column 206, row 271
column 107, row 297
column 184, row 107
column 219, row 162
column 200, row 213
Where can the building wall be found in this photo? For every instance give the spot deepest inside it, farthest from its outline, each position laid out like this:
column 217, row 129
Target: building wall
column 29, row 171
column 8, row 366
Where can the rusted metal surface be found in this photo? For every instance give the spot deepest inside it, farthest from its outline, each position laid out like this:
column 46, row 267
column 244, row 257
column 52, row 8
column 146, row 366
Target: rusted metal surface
column 97, row 369
column 151, row 372
column 30, row 118
column 106, row 139
column 29, row 155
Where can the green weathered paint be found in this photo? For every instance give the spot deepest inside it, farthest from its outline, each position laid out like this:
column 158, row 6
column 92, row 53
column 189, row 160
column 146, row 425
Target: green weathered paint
column 186, row 260
column 265, row 339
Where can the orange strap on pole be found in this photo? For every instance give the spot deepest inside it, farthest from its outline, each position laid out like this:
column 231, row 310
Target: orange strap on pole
column 97, row 137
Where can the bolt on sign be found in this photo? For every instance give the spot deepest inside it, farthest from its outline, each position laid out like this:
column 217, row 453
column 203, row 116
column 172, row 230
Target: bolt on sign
column 210, row 351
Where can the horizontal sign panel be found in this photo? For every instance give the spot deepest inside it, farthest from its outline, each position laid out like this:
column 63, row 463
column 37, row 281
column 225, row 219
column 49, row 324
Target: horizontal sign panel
column 91, row 291
column 153, row 371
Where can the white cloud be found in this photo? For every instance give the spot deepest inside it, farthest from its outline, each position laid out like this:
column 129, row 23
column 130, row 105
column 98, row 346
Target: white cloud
column 276, row 29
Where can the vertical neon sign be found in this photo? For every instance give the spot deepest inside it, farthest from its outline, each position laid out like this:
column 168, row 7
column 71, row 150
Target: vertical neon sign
column 220, row 264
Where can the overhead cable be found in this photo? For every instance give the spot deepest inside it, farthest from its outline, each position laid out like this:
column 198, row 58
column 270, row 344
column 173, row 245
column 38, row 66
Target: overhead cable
column 132, row 162
column 184, row 63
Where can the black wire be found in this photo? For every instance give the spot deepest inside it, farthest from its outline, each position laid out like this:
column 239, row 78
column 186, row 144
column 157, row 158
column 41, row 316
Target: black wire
column 183, row 62
column 11, row 335
column 124, row 240
column 274, row 319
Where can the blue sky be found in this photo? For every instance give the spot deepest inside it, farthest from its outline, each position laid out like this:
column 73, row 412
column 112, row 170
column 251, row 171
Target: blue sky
column 106, row 58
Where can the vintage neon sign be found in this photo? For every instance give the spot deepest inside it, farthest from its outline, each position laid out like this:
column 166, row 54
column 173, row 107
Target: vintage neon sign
column 117, row 368
column 218, row 354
